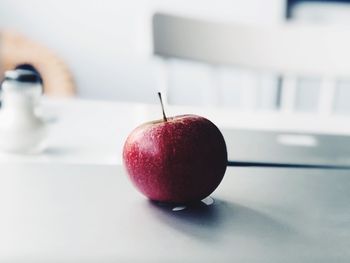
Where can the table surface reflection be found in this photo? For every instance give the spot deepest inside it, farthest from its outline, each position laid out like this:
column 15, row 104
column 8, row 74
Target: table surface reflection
column 91, row 213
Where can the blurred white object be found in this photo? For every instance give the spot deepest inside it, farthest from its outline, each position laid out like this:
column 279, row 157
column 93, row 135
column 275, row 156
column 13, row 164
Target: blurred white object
column 293, row 51
column 21, row 131
column 325, row 13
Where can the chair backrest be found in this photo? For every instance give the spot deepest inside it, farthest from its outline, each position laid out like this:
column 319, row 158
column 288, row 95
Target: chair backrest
column 288, row 50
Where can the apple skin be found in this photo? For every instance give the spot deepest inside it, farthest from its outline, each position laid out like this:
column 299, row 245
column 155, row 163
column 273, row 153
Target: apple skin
column 181, row 160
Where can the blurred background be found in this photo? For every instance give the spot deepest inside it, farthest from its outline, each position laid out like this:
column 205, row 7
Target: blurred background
column 107, row 48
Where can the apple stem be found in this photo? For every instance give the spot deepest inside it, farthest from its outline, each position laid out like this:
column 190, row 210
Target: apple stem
column 161, row 103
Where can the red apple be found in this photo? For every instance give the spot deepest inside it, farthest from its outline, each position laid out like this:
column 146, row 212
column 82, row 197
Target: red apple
column 180, row 159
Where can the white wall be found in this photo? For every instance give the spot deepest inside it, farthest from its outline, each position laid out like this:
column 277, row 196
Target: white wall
column 107, row 43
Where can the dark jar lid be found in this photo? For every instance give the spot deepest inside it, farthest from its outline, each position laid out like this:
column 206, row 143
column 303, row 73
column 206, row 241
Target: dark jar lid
column 22, row 75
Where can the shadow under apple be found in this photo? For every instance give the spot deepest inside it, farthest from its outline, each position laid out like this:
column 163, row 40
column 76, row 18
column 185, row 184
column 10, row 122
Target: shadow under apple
column 222, row 221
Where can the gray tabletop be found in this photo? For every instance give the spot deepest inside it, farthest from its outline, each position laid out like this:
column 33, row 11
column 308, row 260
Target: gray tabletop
column 73, row 213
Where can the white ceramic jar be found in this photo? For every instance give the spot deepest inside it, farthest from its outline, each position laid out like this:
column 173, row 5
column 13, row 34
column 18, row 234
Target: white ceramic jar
column 21, row 130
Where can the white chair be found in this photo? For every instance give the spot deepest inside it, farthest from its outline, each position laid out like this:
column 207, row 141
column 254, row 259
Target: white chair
column 292, row 51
